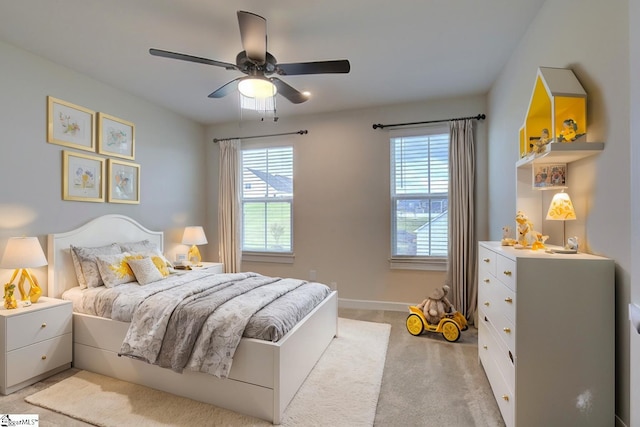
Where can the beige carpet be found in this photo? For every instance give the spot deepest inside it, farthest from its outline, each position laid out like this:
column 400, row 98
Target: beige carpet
column 342, row 390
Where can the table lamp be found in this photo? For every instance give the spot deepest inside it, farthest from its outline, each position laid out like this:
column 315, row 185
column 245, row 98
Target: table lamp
column 23, row 253
column 561, row 209
column 194, row 235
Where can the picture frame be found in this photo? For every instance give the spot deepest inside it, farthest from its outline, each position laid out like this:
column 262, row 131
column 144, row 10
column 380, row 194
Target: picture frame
column 116, row 137
column 124, row 182
column 70, row 125
column 549, row 176
column 82, row 177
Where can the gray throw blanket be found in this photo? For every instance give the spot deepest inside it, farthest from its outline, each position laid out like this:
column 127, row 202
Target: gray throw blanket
column 198, row 325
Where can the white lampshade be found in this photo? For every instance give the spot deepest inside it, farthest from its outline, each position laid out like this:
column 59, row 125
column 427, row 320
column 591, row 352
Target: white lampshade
column 23, row 252
column 257, row 87
column 194, row 235
column 561, row 208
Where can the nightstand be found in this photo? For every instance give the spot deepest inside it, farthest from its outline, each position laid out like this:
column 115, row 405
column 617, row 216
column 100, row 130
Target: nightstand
column 36, row 342
column 213, row 267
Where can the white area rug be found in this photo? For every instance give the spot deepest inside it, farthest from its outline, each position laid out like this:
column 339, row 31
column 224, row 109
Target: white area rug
column 342, row 390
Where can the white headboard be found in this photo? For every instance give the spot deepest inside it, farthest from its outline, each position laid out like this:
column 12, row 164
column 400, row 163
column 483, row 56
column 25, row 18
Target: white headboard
column 100, row 231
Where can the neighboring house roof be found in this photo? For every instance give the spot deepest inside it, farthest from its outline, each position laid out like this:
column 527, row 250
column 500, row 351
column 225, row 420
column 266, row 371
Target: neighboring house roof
column 279, row 183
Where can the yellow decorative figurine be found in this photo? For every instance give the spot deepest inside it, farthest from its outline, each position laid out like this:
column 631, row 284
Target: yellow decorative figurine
column 9, row 300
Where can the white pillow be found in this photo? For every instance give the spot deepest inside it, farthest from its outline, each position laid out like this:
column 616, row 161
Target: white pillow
column 114, row 269
column 86, row 257
column 145, row 270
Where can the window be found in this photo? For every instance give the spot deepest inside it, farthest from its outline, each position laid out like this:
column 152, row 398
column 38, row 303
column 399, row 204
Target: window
column 419, row 195
column 267, row 200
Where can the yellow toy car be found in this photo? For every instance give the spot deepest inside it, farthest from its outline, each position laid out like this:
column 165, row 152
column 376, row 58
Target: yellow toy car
column 449, row 326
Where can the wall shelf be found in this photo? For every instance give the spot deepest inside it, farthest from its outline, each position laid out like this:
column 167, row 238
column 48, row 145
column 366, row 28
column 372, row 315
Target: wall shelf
column 563, row 153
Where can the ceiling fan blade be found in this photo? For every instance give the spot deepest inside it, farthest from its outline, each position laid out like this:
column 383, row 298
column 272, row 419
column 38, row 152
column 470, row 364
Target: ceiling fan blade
column 224, row 90
column 183, row 57
column 289, row 92
column 253, row 33
column 318, row 67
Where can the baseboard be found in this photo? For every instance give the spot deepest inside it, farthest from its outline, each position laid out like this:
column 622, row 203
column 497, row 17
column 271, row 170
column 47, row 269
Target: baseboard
column 373, row 305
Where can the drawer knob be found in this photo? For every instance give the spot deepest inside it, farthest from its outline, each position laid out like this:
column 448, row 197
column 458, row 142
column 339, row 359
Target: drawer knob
column 44, row 357
column 486, row 280
column 44, row 325
column 507, row 330
column 485, row 347
column 507, row 273
column 505, row 397
column 508, row 299
column 487, row 303
column 486, row 259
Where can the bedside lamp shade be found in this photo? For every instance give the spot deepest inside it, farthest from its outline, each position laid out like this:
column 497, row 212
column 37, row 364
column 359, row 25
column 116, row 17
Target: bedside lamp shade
column 194, row 235
column 561, row 208
column 21, row 254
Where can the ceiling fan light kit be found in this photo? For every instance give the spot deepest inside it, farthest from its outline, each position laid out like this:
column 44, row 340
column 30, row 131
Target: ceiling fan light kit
column 258, row 65
column 257, row 87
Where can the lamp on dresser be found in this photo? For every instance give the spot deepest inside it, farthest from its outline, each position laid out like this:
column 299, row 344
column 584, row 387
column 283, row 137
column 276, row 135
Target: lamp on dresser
column 194, row 235
column 22, row 253
column 561, row 209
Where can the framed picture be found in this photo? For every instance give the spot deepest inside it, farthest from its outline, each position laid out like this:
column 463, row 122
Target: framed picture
column 70, row 125
column 82, row 177
column 549, row 176
column 116, row 137
column 124, row 182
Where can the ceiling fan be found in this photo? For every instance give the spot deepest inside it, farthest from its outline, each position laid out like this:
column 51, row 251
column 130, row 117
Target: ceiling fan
column 259, row 65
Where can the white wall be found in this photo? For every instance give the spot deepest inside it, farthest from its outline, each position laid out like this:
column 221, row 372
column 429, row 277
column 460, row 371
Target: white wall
column 342, row 196
column 169, row 149
column 590, row 37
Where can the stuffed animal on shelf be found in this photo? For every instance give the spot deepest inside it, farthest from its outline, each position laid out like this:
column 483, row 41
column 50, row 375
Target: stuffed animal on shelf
column 436, row 306
column 541, row 144
column 569, row 131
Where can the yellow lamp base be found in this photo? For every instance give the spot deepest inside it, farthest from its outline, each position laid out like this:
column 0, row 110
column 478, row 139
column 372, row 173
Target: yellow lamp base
column 194, row 256
column 34, row 292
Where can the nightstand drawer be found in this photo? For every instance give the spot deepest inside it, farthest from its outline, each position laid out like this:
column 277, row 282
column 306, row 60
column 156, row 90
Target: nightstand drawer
column 34, row 326
column 31, row 361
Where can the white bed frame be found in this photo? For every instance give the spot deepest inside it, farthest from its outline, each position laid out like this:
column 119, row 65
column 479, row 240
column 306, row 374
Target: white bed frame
column 264, row 376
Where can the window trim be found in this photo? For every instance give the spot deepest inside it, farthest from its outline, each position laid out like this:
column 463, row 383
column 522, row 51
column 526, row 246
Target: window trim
column 402, row 262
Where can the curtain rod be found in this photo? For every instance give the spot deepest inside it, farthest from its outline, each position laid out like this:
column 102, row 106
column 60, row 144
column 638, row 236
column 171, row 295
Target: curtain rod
column 300, row 132
column 478, row 117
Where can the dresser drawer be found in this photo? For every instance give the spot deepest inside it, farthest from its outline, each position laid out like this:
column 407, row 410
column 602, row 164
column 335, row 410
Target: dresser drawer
column 38, row 325
column 504, row 301
column 506, row 271
column 31, row 361
column 487, row 260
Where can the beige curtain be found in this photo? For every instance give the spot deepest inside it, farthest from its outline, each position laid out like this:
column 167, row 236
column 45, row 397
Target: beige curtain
column 229, row 216
column 461, row 265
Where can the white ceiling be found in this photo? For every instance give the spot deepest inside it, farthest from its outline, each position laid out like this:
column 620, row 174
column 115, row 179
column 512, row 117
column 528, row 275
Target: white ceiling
column 400, row 51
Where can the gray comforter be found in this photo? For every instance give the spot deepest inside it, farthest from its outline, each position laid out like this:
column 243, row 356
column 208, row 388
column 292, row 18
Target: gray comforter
column 196, row 321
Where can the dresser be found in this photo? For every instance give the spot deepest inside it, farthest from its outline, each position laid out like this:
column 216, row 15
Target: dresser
column 546, row 337
column 35, row 342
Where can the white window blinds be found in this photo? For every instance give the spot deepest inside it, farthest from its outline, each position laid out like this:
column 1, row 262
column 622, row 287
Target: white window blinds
column 419, row 193
column 267, row 199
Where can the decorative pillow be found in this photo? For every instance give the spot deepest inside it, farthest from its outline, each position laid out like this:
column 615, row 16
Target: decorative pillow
column 78, row 269
column 145, row 270
column 147, row 247
column 114, row 269
column 87, row 259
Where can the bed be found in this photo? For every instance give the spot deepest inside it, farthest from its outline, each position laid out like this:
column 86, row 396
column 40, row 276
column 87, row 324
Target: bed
column 264, row 376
